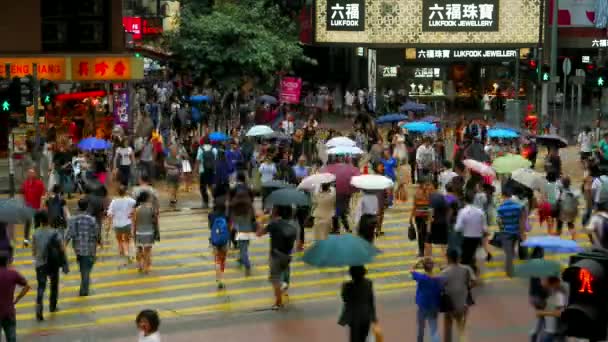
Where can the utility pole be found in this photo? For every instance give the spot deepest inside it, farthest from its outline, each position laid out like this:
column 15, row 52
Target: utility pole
column 11, row 145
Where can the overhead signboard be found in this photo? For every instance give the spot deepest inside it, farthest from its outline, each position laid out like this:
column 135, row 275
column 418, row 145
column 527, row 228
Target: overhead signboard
column 390, row 71
column 574, row 13
column 345, row 15
column 101, row 68
column 447, row 54
column 460, row 15
column 426, row 73
column 457, row 23
column 51, row 68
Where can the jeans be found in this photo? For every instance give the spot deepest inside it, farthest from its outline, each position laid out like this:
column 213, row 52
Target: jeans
column 42, row 274
column 422, row 316
column 244, row 253
column 85, row 263
column 469, row 248
column 9, row 325
column 549, row 337
column 508, row 245
column 342, row 206
column 124, row 174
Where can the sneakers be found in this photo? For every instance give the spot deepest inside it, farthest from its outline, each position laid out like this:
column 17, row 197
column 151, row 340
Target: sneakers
column 26, row 243
column 284, row 286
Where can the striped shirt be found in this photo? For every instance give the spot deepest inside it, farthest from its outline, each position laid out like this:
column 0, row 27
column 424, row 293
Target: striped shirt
column 509, row 213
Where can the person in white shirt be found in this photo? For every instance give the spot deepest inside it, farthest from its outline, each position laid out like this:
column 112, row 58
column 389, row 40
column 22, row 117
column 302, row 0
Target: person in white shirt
column 425, row 158
column 446, row 176
column 556, row 302
column 287, row 125
column 471, row 222
column 585, row 143
column 349, row 100
column 120, row 212
column 147, row 324
column 123, row 159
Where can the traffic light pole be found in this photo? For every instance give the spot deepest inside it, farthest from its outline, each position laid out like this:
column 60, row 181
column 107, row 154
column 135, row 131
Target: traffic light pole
column 11, row 145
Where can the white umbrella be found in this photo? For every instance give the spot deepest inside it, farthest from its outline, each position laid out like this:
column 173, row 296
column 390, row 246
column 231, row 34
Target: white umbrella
column 479, row 167
column 345, row 150
column 529, row 178
column 312, row 181
column 340, row 141
column 259, row 130
column 371, row 182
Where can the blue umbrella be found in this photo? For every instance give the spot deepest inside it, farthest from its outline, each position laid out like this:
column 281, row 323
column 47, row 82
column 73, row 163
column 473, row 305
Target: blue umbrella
column 502, row 133
column 503, row 125
column 200, row 98
column 391, row 118
column 90, row 144
column 411, row 106
column 553, row 244
column 267, row 99
column 218, row 136
column 340, row 250
column 431, row 118
column 420, row 127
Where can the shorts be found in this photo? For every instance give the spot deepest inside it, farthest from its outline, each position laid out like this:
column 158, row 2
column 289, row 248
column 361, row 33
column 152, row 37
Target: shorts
column 586, row 155
column 146, row 240
column 278, row 265
column 123, row 230
column 438, row 235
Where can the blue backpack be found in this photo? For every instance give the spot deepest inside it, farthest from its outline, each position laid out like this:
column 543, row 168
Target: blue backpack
column 220, row 234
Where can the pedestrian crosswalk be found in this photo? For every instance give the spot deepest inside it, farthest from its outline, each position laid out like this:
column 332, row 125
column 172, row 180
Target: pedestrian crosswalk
column 182, row 280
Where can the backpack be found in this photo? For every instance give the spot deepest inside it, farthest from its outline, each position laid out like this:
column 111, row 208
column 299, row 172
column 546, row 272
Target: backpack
column 55, row 258
column 426, row 159
column 220, row 234
column 208, row 160
column 568, row 203
column 551, row 191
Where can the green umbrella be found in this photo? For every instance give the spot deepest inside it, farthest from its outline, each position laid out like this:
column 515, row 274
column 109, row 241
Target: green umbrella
column 340, row 250
column 537, row 268
column 510, row 163
column 287, row 196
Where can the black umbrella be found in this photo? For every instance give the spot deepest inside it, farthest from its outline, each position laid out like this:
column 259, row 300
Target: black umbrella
column 12, row 211
column 552, row 140
column 287, row 196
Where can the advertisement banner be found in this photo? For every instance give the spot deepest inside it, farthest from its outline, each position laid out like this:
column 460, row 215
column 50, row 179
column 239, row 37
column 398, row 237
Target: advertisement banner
column 121, row 106
column 101, row 68
column 460, row 15
column 416, row 23
column 574, row 13
column 50, row 68
column 372, row 69
column 291, row 88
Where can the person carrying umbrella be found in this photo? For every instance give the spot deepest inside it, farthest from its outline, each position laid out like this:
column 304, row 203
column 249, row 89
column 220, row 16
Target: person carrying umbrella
column 324, row 202
column 282, row 240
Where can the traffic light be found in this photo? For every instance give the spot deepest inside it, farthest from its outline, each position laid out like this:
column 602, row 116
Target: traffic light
column 47, row 92
column 532, row 69
column 602, row 78
column 5, row 105
column 26, row 91
column 586, row 315
column 545, row 74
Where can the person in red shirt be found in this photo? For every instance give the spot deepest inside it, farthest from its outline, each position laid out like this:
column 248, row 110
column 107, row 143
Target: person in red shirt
column 32, row 190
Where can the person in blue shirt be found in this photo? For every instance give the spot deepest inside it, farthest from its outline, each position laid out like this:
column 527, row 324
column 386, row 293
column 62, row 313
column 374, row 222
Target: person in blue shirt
column 512, row 222
column 235, row 159
column 390, row 164
column 428, row 291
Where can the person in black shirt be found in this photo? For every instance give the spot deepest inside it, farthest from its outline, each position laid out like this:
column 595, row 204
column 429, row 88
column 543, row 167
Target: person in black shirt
column 283, row 233
column 62, row 164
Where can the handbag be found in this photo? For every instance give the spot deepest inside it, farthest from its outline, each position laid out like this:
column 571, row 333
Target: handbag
column 411, row 232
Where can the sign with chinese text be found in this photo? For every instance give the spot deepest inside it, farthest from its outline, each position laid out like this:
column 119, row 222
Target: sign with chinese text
column 141, row 27
column 101, row 68
column 426, row 72
column 459, row 15
column 599, row 43
column 438, row 54
column 432, row 23
column 121, row 106
column 372, row 69
column 390, row 71
column 132, row 25
column 291, row 88
column 345, row 15
column 51, row 68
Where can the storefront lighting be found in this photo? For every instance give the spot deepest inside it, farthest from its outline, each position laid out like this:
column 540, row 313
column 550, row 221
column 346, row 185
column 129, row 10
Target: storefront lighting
column 80, row 95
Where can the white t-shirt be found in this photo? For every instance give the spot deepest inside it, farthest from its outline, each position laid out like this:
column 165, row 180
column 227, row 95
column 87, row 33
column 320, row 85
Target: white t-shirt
column 120, row 209
column 267, row 172
column 124, row 155
column 445, row 177
column 287, row 127
column 556, row 300
column 586, row 141
column 155, row 337
column 425, row 156
column 596, row 225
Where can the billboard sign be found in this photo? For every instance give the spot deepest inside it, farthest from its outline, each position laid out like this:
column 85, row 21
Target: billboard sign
column 419, row 23
column 574, row 13
column 460, row 15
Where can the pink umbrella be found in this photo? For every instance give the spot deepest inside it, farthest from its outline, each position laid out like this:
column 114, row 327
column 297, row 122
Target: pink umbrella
column 479, row 167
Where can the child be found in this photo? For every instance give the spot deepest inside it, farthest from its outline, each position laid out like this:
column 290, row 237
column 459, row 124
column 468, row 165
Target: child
column 556, row 301
column 568, row 208
column 428, row 291
column 219, row 238
column 147, row 322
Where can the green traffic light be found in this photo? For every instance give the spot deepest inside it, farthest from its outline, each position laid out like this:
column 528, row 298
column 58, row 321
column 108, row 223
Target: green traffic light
column 600, row 81
column 138, row 55
column 47, row 99
column 545, row 76
column 6, row 106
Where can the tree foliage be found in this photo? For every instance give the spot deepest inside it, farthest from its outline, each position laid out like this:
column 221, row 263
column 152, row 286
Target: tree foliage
column 236, row 40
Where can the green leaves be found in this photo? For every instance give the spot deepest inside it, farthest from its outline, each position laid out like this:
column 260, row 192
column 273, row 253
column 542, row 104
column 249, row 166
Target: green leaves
column 236, row 40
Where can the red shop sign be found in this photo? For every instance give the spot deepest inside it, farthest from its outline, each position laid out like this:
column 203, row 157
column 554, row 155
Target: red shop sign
column 140, row 27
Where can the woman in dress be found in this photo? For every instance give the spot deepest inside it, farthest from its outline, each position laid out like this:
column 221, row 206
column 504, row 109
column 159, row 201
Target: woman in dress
column 145, row 230
column 186, row 168
column 173, row 166
column 324, row 208
column 120, row 212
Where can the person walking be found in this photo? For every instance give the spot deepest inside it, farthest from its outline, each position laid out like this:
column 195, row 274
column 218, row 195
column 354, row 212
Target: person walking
column 206, row 156
column 283, row 236
column 472, row 223
column 421, row 212
column 10, row 278
column 123, row 159
column 359, row 304
column 49, row 257
column 512, row 221
column 457, row 281
column 219, row 238
column 145, row 229
column 428, row 292
column 120, row 212
column 33, row 191
column 173, row 165
column 324, row 207
column 85, row 235
column 268, row 171
column 57, row 209
column 242, row 216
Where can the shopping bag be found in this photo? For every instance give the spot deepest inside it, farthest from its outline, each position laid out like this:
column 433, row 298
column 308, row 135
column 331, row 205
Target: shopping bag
column 411, row 232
